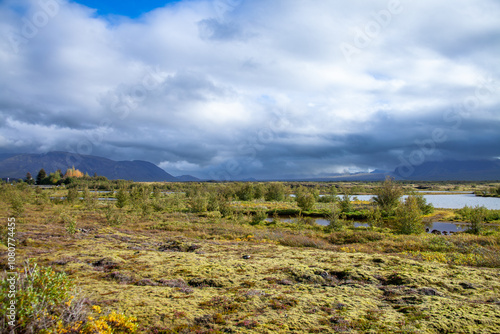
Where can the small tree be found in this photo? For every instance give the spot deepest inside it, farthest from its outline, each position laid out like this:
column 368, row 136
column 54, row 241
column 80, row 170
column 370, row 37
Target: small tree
column 476, row 217
column 275, row 192
column 259, row 216
column 198, row 204
column 259, row 191
column 54, row 178
column 345, row 202
column 72, row 195
column 72, row 172
column 388, row 196
column 425, row 207
column 305, row 200
column 41, row 176
column 375, row 217
column 409, row 217
column 245, row 192
column 121, row 198
column 29, row 178
column 335, row 222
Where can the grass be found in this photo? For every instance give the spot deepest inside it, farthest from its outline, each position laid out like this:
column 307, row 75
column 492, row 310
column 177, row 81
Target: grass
column 185, row 272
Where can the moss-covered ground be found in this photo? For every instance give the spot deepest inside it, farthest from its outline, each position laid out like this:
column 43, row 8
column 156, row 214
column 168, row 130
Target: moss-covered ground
column 182, row 272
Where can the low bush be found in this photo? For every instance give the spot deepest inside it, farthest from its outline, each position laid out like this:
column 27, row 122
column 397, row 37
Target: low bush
column 43, row 299
column 354, row 237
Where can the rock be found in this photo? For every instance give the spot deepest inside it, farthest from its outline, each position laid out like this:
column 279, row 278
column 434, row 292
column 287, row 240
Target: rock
column 146, row 282
column 106, row 263
column 246, row 257
column 206, row 282
column 467, row 286
column 429, row 292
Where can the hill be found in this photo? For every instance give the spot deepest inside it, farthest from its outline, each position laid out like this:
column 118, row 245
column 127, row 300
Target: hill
column 451, row 170
column 187, row 178
column 16, row 166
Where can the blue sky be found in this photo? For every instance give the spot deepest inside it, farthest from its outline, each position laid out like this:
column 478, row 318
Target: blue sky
column 129, row 8
column 229, row 89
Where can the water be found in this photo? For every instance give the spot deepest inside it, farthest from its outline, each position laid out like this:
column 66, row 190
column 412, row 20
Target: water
column 453, row 201
column 438, row 226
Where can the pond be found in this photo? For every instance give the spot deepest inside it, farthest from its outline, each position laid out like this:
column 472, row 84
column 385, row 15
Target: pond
column 453, row 201
column 434, row 226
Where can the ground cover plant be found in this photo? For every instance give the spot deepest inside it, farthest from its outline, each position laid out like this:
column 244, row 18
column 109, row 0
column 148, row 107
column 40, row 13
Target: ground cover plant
column 203, row 258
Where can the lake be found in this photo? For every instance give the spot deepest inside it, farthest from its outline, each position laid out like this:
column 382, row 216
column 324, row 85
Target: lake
column 438, row 226
column 453, row 200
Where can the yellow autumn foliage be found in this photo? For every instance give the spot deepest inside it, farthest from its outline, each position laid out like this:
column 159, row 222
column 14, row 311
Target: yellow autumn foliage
column 72, row 172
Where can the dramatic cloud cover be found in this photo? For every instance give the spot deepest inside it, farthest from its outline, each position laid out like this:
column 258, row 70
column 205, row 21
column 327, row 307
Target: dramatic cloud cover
column 229, row 89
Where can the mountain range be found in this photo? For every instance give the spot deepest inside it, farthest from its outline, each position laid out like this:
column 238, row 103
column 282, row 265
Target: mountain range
column 15, row 166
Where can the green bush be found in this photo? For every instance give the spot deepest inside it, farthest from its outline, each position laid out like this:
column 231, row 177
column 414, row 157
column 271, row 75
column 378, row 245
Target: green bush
column 72, row 195
column 245, row 192
column 43, row 298
column 476, row 218
column 328, row 199
column 121, row 198
column 259, row 216
column 335, row 222
column 388, row 196
column 16, row 203
column 345, row 203
column 198, row 204
column 409, row 217
column 305, row 200
column 275, row 192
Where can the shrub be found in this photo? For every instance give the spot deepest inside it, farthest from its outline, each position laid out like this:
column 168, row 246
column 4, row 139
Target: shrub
column 388, row 196
column 476, row 217
column 354, row 237
column 409, row 217
column 16, row 203
column 72, row 195
column 121, row 198
column 305, row 200
column 375, row 217
column 43, row 299
column 335, row 223
column 69, row 222
column 245, row 192
column 345, row 203
column 275, row 192
column 198, row 203
column 259, row 216
column 424, row 207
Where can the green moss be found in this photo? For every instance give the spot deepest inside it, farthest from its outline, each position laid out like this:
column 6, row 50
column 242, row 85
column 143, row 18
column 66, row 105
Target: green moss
column 188, row 273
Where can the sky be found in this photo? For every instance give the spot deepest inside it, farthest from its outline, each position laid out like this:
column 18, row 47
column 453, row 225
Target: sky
column 235, row 89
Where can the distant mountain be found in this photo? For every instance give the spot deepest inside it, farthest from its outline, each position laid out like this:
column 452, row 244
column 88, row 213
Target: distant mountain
column 16, row 166
column 451, row 170
column 187, row 178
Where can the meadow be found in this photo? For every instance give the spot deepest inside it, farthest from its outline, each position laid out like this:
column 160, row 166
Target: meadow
column 98, row 256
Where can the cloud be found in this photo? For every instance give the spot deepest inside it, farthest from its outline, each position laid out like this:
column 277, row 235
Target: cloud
column 252, row 88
